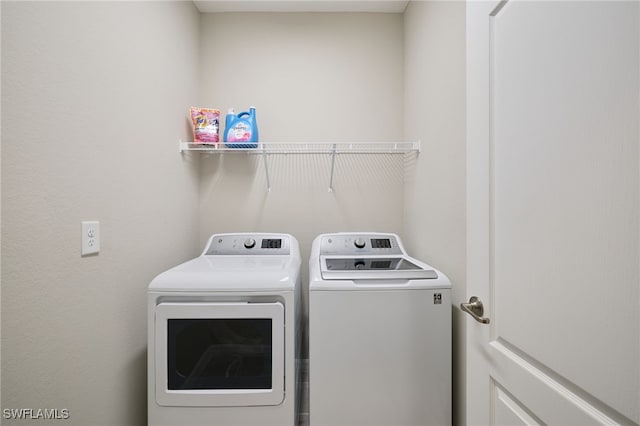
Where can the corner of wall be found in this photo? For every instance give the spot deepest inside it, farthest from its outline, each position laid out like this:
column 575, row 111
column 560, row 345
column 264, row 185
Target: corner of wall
column 435, row 186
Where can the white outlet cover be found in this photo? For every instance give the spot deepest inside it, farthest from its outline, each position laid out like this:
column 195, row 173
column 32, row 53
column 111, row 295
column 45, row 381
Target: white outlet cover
column 90, row 237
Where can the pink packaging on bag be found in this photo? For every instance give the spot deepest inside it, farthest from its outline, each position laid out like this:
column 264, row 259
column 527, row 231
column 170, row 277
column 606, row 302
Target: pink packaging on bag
column 206, row 125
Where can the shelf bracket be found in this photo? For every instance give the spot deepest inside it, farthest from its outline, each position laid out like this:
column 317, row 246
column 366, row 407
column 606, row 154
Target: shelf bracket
column 266, row 169
column 333, row 162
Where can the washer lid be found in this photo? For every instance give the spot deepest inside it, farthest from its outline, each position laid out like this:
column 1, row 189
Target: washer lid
column 373, row 268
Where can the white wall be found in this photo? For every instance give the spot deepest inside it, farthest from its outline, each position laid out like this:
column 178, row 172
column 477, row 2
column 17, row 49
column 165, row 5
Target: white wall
column 312, row 77
column 434, row 215
column 94, row 100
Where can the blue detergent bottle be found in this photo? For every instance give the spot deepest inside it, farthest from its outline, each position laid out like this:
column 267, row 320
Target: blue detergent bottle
column 241, row 130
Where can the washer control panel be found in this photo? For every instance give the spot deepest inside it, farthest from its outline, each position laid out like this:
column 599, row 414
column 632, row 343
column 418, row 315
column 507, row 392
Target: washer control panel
column 243, row 244
column 349, row 244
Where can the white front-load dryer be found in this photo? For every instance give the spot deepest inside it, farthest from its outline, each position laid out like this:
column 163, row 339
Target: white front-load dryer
column 379, row 334
column 224, row 334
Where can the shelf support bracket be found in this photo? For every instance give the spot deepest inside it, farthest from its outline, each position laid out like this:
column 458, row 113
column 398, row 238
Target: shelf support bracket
column 333, row 163
column 266, row 169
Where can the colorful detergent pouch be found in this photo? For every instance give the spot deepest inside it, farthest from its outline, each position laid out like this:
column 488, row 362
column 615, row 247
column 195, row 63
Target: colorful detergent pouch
column 206, row 125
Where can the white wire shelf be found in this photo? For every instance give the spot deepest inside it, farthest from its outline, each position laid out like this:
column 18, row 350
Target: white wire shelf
column 306, row 148
column 332, row 148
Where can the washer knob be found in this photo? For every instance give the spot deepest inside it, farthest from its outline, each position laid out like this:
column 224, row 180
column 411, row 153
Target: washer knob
column 360, row 243
column 249, row 243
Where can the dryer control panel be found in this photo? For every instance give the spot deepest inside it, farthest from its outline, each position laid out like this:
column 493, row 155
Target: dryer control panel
column 252, row 244
column 370, row 244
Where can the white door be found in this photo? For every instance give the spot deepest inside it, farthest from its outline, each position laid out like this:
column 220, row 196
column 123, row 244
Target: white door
column 553, row 221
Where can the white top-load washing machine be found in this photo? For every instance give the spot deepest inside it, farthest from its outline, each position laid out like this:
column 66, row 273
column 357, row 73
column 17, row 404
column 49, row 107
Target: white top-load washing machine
column 379, row 334
column 224, row 334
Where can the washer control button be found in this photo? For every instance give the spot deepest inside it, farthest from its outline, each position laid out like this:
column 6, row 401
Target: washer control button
column 249, row 243
column 360, row 243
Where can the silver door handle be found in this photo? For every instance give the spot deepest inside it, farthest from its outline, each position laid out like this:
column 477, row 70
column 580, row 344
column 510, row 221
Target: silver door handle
column 475, row 309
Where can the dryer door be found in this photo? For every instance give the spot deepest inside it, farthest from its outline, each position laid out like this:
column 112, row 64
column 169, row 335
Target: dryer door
column 219, row 354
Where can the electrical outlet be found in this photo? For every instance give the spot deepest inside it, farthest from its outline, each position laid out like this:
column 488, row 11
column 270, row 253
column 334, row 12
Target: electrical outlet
column 90, row 237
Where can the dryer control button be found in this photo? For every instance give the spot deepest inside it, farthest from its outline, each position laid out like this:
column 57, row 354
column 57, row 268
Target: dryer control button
column 360, row 243
column 249, row 243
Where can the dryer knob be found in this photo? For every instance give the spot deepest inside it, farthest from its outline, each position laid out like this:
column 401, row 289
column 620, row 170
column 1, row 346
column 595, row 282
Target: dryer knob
column 360, row 243
column 249, row 243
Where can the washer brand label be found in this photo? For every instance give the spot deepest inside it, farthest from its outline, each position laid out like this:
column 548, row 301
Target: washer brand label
column 437, row 299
